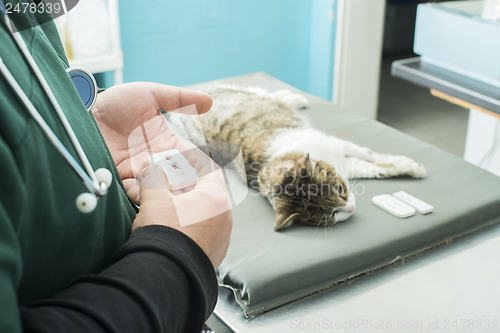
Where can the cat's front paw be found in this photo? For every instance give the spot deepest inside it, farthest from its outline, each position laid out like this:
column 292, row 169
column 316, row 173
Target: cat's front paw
column 295, row 101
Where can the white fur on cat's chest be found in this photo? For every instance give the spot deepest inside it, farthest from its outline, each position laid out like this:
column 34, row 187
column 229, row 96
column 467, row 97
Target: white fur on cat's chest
column 320, row 146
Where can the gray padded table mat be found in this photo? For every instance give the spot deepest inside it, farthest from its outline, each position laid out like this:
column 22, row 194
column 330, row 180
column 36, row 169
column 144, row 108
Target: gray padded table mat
column 266, row 269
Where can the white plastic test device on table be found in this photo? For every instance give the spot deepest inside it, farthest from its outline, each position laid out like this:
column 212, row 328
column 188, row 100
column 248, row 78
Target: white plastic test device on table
column 392, row 205
column 401, row 204
column 96, row 182
column 419, row 205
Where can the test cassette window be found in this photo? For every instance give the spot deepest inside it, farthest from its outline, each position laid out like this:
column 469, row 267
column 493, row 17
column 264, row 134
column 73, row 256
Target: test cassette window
column 175, row 166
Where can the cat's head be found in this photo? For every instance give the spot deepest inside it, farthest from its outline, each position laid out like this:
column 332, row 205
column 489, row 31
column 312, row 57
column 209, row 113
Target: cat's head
column 305, row 191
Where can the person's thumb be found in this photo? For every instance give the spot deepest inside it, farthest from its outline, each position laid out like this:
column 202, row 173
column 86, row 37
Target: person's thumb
column 157, row 205
column 153, row 184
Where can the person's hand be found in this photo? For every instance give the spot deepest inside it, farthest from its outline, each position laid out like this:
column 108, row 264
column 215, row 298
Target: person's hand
column 203, row 213
column 128, row 117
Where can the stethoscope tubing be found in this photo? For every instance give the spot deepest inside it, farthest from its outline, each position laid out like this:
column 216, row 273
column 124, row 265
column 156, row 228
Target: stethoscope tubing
column 46, row 129
column 89, row 177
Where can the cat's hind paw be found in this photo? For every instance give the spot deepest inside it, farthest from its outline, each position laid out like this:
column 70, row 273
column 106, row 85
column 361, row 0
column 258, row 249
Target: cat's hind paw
column 418, row 171
column 393, row 166
column 293, row 100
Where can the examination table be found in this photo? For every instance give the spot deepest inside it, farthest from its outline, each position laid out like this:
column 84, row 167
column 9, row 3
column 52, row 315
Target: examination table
column 373, row 272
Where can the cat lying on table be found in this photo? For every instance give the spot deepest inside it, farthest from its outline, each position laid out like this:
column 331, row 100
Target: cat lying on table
column 303, row 172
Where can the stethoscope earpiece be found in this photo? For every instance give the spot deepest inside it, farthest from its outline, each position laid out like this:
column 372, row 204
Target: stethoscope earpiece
column 86, row 202
column 104, row 177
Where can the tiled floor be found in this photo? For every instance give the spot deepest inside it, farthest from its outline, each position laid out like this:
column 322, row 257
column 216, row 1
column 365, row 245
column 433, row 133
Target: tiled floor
column 411, row 109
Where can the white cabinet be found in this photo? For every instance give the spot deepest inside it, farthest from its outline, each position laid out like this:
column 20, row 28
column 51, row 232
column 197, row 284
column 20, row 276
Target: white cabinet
column 483, row 137
column 91, row 36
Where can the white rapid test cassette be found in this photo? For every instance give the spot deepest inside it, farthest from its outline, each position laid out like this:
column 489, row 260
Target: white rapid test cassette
column 180, row 173
column 392, row 205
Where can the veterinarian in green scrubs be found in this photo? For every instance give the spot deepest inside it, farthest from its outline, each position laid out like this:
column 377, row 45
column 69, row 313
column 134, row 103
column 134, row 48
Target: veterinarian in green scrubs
column 108, row 270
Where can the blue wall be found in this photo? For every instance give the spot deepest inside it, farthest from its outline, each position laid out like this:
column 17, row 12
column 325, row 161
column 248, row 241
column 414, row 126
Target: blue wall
column 322, row 48
column 186, row 42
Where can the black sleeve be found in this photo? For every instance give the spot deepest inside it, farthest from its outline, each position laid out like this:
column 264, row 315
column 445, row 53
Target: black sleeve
column 158, row 281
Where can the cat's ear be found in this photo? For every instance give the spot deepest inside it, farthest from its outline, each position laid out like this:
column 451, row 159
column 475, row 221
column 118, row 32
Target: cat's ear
column 284, row 221
column 305, row 162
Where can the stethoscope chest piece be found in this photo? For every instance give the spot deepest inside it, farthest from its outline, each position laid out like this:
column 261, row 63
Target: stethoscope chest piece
column 85, row 84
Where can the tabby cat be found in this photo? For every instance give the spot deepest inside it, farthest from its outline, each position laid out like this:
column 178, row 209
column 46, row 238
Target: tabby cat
column 303, row 172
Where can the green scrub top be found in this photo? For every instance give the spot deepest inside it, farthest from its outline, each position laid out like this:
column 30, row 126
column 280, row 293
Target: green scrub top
column 45, row 242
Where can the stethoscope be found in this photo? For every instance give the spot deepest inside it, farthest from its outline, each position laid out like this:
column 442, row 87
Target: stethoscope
column 97, row 182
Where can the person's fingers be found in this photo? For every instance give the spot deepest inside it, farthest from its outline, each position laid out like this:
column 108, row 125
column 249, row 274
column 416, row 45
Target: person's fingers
column 172, row 98
column 132, row 189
